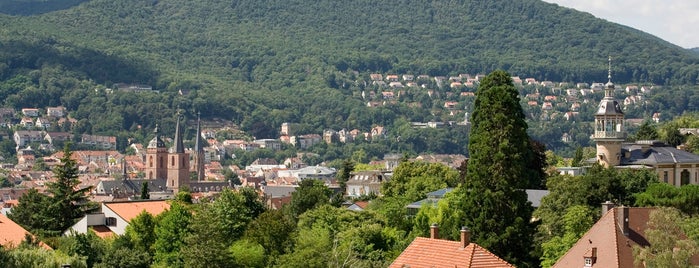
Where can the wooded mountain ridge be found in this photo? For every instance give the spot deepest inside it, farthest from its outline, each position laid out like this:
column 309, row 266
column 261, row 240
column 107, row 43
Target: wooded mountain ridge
column 262, row 62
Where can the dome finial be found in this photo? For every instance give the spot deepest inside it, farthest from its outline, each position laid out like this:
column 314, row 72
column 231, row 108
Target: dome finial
column 609, row 74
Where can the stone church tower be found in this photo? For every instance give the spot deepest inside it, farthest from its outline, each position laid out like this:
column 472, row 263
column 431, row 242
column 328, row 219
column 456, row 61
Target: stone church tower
column 156, row 157
column 178, row 164
column 199, row 153
column 172, row 166
column 609, row 127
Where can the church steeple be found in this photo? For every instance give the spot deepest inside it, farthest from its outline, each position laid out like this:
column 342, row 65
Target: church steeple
column 609, row 126
column 178, row 147
column 199, row 151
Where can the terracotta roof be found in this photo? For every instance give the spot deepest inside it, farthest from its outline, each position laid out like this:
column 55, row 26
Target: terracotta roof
column 129, row 210
column 428, row 252
column 12, row 234
column 611, row 244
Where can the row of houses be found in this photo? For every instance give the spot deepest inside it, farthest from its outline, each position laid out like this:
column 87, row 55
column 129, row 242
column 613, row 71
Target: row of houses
column 24, row 137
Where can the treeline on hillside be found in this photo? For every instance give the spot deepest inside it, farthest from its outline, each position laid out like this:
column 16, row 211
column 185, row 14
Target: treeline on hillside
column 34, row 7
column 263, row 40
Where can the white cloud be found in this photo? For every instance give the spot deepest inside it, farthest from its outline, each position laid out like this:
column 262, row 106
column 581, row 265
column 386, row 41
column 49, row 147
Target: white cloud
column 672, row 20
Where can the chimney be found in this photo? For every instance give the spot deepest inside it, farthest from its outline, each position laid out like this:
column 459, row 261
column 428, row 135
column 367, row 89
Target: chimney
column 434, row 231
column 606, row 206
column 465, row 237
column 623, row 219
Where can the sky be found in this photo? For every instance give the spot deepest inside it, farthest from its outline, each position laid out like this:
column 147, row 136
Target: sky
column 675, row 21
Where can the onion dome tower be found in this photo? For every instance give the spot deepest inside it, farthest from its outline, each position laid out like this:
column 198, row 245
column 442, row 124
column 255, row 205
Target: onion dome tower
column 609, row 126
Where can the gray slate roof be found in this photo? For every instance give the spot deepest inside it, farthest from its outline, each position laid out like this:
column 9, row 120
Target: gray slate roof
column 655, row 153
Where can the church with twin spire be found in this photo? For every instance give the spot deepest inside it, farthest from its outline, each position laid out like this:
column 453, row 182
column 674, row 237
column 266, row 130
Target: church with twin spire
column 173, row 164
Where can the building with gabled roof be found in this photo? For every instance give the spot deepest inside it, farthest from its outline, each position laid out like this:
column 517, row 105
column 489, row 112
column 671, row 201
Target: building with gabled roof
column 115, row 216
column 609, row 242
column 13, row 234
column 434, row 252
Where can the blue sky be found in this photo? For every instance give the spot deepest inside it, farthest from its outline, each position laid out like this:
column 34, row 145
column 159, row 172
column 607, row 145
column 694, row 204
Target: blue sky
column 676, row 21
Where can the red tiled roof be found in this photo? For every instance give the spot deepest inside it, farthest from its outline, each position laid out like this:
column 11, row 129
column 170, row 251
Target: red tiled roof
column 428, row 253
column 12, row 234
column 612, row 247
column 129, row 210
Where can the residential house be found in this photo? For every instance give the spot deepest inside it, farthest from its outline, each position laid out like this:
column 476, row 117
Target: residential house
column 395, row 84
column 103, row 142
column 435, row 252
column 133, row 87
column 358, row 206
column 450, row 104
column 305, row 141
column 387, row 95
column 114, row 217
column 582, row 85
column 376, row 77
column 52, row 137
column 363, row 183
column 27, row 122
column 377, row 132
column 31, row 112
column 516, row 80
column 609, row 242
column 547, row 84
column 59, row 111
column 408, row 77
column 272, row 144
column 344, row 136
column 24, row 137
column 392, row 78
column 13, row 234
column 330, row 136
column 43, row 122
column 631, row 89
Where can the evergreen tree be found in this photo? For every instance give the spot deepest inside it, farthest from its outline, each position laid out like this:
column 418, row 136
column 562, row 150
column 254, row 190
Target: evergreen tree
column 68, row 202
column 492, row 199
column 145, row 193
column 30, row 212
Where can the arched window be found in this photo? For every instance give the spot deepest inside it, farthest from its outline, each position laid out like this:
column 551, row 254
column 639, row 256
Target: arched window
column 684, row 177
column 150, row 161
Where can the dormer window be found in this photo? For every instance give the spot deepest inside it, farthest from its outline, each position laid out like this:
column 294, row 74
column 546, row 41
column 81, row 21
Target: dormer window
column 588, row 262
column 590, row 257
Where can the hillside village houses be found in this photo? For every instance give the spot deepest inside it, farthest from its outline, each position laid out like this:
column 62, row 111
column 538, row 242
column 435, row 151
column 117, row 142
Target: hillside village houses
column 116, row 177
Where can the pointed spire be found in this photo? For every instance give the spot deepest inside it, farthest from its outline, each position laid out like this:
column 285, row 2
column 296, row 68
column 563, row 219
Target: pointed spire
column 609, row 90
column 198, row 144
column 178, row 147
column 609, row 74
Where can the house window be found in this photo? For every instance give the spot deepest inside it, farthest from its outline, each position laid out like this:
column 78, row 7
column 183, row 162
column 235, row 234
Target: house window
column 665, row 176
column 588, row 262
column 110, row 221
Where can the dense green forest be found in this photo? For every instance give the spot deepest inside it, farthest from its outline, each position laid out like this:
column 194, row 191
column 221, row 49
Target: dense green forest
column 261, row 63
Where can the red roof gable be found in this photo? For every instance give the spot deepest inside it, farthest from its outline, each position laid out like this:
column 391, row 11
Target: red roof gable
column 428, row 252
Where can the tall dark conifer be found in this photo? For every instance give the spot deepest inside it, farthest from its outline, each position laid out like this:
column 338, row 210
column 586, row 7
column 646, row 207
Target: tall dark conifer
column 493, row 199
column 68, row 202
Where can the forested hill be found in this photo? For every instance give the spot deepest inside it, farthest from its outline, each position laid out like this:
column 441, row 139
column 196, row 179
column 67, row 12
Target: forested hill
column 253, row 40
column 33, row 7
